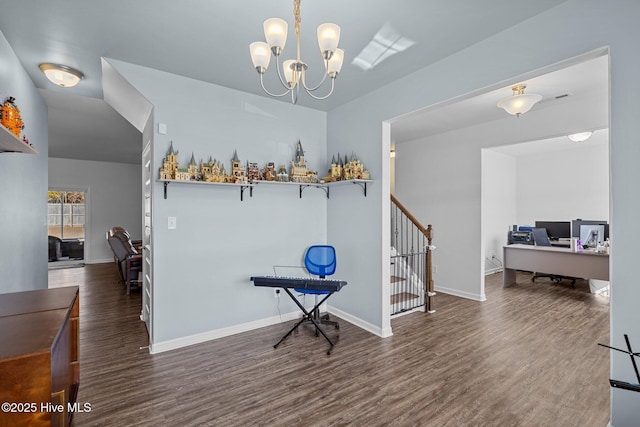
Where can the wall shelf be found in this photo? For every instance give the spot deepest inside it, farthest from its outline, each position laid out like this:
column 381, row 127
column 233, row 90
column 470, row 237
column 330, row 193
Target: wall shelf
column 302, row 185
column 225, row 184
column 9, row 143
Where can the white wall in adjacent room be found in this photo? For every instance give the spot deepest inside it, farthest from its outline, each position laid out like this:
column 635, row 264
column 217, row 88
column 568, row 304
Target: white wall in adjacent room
column 114, row 199
column 564, row 185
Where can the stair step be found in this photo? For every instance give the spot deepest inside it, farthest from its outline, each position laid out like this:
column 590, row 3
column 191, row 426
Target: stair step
column 402, row 297
column 395, row 279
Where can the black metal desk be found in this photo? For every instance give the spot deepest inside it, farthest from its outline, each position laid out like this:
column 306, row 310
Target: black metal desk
column 321, row 285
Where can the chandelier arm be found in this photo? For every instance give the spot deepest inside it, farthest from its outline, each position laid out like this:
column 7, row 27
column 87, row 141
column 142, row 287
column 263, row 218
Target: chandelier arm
column 333, row 81
column 269, row 93
column 304, row 83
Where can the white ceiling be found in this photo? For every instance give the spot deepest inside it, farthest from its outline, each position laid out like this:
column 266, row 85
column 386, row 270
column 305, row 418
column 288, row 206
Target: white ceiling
column 209, row 41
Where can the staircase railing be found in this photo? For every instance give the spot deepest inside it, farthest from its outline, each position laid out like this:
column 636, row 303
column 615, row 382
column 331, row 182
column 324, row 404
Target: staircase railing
column 411, row 261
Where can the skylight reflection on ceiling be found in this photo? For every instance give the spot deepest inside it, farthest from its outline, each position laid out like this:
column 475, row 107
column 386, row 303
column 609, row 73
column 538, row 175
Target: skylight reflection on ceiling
column 385, row 43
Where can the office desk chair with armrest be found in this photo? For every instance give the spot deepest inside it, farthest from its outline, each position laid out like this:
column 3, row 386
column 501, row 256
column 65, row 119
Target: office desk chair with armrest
column 320, row 260
column 541, row 238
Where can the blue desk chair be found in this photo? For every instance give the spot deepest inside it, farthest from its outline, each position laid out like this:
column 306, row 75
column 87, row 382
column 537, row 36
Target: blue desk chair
column 320, row 260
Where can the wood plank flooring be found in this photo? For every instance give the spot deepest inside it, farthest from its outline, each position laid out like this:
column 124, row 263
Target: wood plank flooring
column 528, row 356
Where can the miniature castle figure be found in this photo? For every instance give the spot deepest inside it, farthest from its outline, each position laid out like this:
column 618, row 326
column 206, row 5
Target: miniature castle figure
column 238, row 173
column 283, row 176
column 299, row 170
column 169, row 164
column 269, row 172
column 346, row 169
column 212, row 171
column 253, row 172
column 354, row 169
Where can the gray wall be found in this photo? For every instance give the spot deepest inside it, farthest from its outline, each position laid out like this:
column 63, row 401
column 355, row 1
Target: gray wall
column 23, row 185
column 567, row 31
column 201, row 269
column 114, row 195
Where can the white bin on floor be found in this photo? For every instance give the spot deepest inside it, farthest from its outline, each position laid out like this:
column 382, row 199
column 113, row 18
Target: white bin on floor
column 600, row 287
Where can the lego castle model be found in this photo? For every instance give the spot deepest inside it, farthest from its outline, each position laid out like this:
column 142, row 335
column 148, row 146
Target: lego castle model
column 214, row 171
column 345, row 169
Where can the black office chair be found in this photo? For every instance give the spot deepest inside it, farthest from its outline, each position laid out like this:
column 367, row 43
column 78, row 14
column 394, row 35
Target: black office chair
column 541, row 238
column 320, row 260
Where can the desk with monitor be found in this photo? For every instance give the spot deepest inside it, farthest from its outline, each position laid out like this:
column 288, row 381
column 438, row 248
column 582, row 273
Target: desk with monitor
column 554, row 260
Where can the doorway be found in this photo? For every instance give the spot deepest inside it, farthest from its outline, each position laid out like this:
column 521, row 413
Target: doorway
column 66, row 221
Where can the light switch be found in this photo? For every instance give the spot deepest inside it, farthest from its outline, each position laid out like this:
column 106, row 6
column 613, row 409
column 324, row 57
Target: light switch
column 162, row 128
column 172, row 223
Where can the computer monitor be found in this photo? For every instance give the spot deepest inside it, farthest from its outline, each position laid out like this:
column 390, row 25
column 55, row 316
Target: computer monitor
column 576, row 223
column 591, row 235
column 556, row 229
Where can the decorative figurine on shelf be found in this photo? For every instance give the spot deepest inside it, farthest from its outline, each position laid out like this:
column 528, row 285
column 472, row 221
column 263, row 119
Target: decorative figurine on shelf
column 11, row 116
column 269, row 172
column 345, row 169
column 238, row 173
column 188, row 174
column 212, row 171
column 283, row 176
column 253, row 172
column 300, row 172
column 169, row 164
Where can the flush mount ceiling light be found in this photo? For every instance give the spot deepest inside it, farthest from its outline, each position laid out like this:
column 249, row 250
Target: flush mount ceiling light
column 275, row 31
column 61, row 75
column 519, row 103
column 579, row 137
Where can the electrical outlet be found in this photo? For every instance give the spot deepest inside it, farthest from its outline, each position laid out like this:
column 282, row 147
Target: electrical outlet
column 276, row 293
column 493, row 255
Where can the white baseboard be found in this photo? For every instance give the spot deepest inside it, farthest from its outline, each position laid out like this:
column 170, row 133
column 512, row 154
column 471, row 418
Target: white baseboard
column 176, row 343
column 458, row 293
column 492, row 271
column 362, row 324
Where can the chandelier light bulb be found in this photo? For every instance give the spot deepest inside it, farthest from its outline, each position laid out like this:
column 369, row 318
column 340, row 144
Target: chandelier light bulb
column 260, row 56
column 275, row 31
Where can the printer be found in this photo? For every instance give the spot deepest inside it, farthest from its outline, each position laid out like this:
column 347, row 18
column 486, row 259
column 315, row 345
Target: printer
column 522, row 237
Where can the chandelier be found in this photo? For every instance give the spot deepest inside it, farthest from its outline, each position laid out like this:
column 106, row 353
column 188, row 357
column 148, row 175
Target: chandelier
column 519, row 103
column 294, row 70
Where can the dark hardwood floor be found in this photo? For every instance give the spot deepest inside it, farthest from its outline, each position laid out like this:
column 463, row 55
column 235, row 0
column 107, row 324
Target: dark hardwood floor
column 528, row 356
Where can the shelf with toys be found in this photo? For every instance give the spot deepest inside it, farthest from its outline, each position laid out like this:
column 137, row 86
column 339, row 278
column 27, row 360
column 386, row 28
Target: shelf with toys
column 9, row 143
column 11, row 125
column 342, row 172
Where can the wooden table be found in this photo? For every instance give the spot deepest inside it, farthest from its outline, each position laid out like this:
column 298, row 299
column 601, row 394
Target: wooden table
column 39, row 358
column 553, row 260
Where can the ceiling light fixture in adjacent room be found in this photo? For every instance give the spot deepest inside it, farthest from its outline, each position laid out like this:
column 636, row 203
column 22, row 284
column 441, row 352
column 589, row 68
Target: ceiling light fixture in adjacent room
column 294, row 70
column 579, row 137
column 519, row 103
column 61, row 75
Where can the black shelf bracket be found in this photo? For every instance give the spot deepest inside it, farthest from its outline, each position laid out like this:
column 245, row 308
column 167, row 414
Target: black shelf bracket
column 303, row 186
column 166, row 183
column 243, row 187
column 363, row 185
